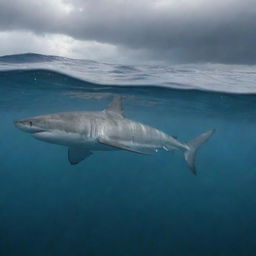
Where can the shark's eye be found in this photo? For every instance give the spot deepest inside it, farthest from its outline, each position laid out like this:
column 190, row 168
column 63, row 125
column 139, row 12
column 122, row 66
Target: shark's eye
column 30, row 123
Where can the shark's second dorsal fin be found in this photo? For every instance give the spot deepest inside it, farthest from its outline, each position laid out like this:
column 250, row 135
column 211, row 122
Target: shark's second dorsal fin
column 116, row 105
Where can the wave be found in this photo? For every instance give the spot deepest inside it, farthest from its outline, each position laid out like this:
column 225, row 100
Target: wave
column 239, row 79
column 44, row 78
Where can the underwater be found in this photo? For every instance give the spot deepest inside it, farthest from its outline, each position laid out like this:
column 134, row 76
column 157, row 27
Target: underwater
column 120, row 202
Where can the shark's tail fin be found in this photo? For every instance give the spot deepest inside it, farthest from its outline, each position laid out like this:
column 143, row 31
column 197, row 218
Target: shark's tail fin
column 193, row 146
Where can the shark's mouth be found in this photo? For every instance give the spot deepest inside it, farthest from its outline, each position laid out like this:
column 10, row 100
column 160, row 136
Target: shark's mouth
column 38, row 131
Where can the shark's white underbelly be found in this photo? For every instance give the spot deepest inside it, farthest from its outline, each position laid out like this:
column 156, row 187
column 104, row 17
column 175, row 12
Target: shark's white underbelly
column 70, row 139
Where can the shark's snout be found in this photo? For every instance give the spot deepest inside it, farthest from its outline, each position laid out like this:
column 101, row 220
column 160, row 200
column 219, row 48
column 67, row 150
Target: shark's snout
column 27, row 125
column 23, row 125
column 19, row 123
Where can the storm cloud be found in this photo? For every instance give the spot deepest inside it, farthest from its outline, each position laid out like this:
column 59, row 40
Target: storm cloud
column 222, row 31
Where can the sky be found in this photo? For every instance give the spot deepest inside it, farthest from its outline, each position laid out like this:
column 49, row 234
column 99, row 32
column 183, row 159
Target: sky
column 173, row 31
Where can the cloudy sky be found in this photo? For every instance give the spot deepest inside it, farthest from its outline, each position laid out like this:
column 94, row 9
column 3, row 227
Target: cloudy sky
column 183, row 31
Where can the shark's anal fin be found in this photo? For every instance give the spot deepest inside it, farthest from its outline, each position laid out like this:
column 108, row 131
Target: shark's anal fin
column 116, row 144
column 76, row 154
column 116, row 106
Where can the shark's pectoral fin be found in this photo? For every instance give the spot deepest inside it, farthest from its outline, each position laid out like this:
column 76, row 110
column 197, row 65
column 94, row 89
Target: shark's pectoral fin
column 76, row 155
column 119, row 145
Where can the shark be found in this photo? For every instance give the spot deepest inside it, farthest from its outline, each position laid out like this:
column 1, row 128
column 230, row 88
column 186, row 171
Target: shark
column 86, row 132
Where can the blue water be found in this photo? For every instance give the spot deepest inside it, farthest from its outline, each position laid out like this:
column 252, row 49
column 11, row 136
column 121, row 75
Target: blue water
column 121, row 203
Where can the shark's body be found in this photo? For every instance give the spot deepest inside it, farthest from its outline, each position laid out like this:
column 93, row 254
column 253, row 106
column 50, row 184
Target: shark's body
column 84, row 132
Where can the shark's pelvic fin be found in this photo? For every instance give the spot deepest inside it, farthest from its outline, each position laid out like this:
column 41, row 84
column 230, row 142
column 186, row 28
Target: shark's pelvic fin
column 116, row 106
column 119, row 145
column 76, row 154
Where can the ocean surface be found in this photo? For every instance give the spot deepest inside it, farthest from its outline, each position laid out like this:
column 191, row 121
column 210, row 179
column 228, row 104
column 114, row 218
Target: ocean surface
column 121, row 203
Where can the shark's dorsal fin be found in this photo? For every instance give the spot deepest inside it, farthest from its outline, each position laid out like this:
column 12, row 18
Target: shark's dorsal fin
column 76, row 154
column 116, row 105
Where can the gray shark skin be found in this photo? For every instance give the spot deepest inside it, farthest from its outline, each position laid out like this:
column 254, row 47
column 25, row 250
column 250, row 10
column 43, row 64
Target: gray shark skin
column 84, row 132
